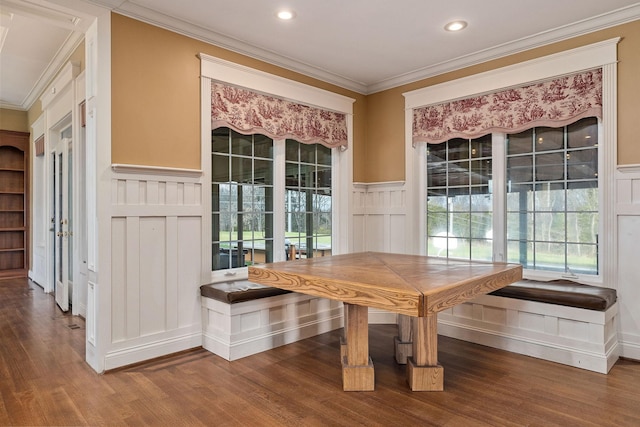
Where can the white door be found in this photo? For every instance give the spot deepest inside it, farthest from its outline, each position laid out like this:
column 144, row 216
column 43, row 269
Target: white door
column 78, row 225
column 63, row 234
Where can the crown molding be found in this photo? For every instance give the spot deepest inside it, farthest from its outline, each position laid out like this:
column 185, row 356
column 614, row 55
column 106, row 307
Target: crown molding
column 617, row 17
column 74, row 19
column 200, row 33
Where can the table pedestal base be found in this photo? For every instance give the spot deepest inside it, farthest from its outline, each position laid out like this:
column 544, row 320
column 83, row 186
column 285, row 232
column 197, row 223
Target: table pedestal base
column 357, row 367
column 425, row 378
column 403, row 350
column 403, row 343
column 358, row 378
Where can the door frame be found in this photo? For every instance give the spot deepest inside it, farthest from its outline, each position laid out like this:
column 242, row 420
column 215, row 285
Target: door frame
column 62, row 212
column 76, row 160
column 60, row 138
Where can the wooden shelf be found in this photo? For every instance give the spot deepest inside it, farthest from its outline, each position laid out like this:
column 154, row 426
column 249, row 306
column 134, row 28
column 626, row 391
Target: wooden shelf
column 14, row 203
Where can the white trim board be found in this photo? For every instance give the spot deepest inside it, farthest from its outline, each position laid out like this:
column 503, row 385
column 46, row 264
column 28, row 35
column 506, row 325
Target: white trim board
column 569, row 61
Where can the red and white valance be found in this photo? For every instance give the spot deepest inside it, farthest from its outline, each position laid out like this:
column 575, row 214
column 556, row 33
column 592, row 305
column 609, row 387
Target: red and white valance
column 249, row 112
column 552, row 103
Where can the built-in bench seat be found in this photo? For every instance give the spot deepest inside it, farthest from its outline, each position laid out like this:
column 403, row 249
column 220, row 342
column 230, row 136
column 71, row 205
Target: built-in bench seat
column 241, row 318
column 561, row 292
column 239, row 291
column 561, row 321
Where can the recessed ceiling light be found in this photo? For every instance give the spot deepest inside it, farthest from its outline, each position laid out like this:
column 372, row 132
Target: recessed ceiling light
column 455, row 25
column 286, row 15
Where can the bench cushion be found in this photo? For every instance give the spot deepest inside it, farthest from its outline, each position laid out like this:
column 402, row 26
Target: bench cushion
column 561, row 292
column 238, row 291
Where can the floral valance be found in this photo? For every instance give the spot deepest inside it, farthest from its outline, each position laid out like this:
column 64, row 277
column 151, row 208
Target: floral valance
column 552, row 103
column 249, row 112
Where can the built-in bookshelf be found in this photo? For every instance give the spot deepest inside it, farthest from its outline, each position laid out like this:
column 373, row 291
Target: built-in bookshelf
column 14, row 204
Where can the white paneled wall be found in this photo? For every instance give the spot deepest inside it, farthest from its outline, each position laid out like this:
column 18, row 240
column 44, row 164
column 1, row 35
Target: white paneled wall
column 156, row 244
column 379, row 217
column 628, row 268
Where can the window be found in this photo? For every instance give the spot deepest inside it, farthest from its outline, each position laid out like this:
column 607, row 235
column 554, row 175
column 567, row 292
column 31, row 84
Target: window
column 552, row 198
column 588, row 230
column 278, row 108
column 459, row 202
column 241, row 199
column 244, row 190
column 307, row 199
column 546, row 177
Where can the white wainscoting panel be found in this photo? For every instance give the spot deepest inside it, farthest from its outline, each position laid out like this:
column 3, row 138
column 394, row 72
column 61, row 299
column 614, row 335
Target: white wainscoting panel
column 156, row 241
column 628, row 190
column 628, row 271
column 379, row 217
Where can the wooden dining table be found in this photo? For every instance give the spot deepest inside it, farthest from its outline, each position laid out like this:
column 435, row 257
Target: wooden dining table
column 413, row 286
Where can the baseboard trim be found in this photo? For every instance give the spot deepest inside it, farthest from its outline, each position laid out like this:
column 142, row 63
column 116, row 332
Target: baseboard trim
column 139, row 353
column 630, row 350
column 260, row 343
column 381, row 317
column 591, row 361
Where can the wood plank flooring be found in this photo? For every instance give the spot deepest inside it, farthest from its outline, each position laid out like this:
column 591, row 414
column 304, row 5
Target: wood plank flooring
column 45, row 381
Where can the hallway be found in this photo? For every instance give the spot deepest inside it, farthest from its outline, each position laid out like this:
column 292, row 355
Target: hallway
column 45, row 381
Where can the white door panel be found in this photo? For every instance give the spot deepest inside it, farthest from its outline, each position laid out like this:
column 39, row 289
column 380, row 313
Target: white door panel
column 61, row 222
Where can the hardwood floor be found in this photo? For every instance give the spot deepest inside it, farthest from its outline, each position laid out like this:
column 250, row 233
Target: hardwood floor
column 45, row 381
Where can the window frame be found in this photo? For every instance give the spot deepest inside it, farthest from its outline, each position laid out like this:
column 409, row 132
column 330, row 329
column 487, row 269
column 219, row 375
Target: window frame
column 602, row 54
column 499, row 219
column 213, row 68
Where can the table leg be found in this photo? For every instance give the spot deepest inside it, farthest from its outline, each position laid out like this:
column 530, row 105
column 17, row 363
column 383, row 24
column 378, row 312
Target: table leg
column 403, row 342
column 357, row 367
column 423, row 371
column 343, row 338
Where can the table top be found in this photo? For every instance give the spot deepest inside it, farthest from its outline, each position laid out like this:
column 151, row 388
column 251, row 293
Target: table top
column 408, row 284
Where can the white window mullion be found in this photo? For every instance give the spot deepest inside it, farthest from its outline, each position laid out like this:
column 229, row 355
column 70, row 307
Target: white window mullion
column 341, row 194
column 279, row 202
column 498, row 190
column 607, row 151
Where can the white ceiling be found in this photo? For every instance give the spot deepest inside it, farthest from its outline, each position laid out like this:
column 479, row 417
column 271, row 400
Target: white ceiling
column 362, row 45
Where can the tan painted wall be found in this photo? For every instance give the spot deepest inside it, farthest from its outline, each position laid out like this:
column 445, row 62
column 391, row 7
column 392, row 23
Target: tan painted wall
column 384, row 153
column 156, row 95
column 15, row 120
